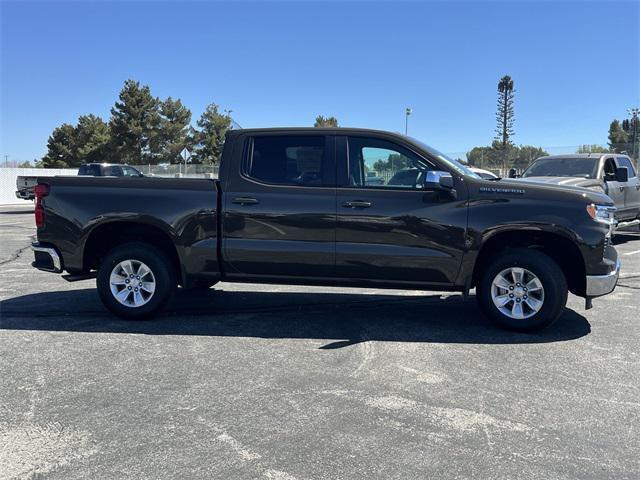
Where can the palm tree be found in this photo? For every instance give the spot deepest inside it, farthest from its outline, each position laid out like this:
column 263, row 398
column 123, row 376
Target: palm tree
column 325, row 122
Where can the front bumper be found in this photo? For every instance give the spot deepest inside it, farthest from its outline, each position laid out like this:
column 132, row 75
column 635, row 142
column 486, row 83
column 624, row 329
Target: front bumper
column 598, row 285
column 46, row 258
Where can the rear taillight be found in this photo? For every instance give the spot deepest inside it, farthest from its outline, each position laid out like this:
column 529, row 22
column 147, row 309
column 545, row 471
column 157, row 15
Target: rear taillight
column 41, row 190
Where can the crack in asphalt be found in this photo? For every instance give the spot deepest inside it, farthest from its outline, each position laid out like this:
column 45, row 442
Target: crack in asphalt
column 16, row 255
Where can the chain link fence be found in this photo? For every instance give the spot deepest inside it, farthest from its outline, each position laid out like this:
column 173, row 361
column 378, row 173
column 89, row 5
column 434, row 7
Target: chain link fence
column 191, row 170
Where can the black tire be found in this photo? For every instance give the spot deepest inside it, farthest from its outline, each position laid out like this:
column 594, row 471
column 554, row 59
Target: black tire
column 163, row 274
column 549, row 274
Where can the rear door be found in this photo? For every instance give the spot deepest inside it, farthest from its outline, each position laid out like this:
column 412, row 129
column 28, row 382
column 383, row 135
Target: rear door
column 632, row 188
column 396, row 231
column 279, row 207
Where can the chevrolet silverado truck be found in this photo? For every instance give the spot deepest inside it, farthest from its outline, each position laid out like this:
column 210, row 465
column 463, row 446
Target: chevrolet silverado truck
column 293, row 206
column 610, row 173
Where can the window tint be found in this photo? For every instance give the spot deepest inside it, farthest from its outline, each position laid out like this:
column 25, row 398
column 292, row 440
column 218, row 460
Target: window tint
column 114, row 171
column 381, row 164
column 93, row 170
column 290, row 160
column 562, row 167
column 130, row 171
column 625, row 162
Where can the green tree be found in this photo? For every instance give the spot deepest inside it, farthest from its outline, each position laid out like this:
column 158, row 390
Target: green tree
column 394, row 162
column 592, row 149
column 92, row 140
column 618, row 138
column 505, row 114
column 61, row 148
column 135, row 121
column 525, row 154
column 209, row 139
column 175, row 132
column 497, row 156
column 325, row 122
column 481, row 157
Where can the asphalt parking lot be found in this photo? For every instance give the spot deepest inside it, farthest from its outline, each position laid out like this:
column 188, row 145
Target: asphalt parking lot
column 284, row 383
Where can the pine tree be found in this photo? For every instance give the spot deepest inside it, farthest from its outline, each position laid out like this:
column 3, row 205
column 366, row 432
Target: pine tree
column 92, row 139
column 505, row 119
column 175, row 132
column 618, row 138
column 134, row 123
column 210, row 138
column 61, row 148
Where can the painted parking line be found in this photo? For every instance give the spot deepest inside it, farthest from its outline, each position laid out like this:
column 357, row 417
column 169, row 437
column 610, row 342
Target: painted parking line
column 632, row 253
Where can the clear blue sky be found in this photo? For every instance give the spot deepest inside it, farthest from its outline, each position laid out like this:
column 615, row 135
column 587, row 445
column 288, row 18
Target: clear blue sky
column 575, row 65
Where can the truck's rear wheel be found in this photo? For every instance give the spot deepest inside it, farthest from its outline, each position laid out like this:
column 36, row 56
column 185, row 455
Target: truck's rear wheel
column 522, row 289
column 135, row 281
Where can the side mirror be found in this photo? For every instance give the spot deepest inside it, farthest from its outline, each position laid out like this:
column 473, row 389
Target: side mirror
column 513, row 173
column 622, row 174
column 438, row 180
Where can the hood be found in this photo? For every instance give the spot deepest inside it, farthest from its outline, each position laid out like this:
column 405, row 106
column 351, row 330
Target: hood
column 568, row 181
column 562, row 188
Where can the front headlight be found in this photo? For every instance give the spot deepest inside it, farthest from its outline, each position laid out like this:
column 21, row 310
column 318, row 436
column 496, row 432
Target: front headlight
column 604, row 214
column 601, row 213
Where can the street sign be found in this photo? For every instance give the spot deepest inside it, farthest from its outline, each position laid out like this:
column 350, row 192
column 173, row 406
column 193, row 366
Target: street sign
column 186, row 155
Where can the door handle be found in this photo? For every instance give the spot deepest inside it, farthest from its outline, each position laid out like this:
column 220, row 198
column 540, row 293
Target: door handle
column 357, row 204
column 245, row 201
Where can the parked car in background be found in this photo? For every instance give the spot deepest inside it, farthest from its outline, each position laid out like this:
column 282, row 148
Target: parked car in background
column 108, row 170
column 486, row 174
column 610, row 173
column 26, row 183
column 292, row 206
column 372, row 178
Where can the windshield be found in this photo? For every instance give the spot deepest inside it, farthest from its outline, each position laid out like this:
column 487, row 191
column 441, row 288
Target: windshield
column 562, row 167
column 455, row 164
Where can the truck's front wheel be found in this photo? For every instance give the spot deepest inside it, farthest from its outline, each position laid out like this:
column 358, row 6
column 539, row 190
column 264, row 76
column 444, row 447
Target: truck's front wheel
column 135, row 281
column 522, row 289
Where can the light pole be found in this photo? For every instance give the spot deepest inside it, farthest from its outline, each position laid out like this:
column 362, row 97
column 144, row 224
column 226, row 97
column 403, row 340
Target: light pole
column 634, row 112
column 407, row 112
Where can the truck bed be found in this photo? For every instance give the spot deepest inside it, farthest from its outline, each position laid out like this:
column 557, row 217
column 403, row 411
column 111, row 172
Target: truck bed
column 182, row 211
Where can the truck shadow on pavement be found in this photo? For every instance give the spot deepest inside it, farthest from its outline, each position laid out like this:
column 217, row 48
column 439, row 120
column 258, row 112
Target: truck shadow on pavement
column 341, row 319
column 621, row 238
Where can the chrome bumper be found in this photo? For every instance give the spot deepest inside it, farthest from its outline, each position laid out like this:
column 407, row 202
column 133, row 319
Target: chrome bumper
column 47, row 258
column 598, row 285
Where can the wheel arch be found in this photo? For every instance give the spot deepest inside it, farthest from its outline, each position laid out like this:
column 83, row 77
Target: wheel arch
column 558, row 246
column 107, row 235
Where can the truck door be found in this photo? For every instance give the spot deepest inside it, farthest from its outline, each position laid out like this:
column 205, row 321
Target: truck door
column 632, row 188
column 615, row 189
column 279, row 207
column 394, row 231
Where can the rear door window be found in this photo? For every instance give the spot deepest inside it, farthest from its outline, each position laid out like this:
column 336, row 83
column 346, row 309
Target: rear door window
column 297, row 160
column 93, row 170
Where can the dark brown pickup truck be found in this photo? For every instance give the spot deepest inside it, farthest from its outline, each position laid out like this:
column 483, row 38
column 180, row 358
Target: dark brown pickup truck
column 293, row 206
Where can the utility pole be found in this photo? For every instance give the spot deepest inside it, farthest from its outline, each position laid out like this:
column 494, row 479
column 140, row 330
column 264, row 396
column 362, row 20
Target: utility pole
column 407, row 112
column 634, row 112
